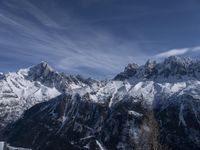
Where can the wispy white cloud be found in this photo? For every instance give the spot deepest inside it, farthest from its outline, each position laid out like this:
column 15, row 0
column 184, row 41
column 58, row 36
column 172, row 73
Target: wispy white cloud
column 65, row 47
column 176, row 52
column 196, row 49
column 32, row 33
column 172, row 52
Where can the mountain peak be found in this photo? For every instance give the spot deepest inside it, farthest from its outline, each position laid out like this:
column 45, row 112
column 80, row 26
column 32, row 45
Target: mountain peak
column 131, row 66
column 44, row 73
column 41, row 71
column 150, row 64
column 178, row 60
column 43, row 65
column 174, row 66
column 129, row 71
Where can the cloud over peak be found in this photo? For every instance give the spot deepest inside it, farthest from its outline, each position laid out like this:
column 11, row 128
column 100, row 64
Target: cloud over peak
column 172, row 52
column 176, row 52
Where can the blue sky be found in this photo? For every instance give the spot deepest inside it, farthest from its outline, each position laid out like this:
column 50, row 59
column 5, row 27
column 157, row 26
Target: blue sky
column 96, row 38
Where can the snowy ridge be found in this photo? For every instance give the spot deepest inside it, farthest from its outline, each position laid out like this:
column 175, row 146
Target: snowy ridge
column 96, row 112
column 172, row 67
column 22, row 89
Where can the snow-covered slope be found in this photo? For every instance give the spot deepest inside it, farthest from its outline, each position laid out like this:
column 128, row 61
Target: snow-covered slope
column 22, row 89
column 122, row 113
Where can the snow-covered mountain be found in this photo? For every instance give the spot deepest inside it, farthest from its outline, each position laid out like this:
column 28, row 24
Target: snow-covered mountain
column 153, row 106
column 174, row 67
column 22, row 89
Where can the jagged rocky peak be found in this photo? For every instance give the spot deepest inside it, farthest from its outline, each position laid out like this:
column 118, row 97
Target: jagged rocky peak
column 150, row 69
column 22, row 89
column 45, row 74
column 131, row 67
column 106, row 114
column 184, row 61
column 150, row 64
column 88, row 81
column 173, row 66
column 177, row 66
column 42, row 69
column 129, row 71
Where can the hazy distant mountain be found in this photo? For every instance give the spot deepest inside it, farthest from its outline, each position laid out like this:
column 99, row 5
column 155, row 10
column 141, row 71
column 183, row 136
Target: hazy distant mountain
column 154, row 106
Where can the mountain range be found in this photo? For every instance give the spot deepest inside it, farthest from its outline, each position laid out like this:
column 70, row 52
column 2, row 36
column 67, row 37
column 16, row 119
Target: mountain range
column 155, row 106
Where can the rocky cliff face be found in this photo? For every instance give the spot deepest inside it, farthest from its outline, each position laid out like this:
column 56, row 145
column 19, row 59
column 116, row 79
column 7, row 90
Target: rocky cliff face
column 154, row 106
column 74, row 122
column 179, row 121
